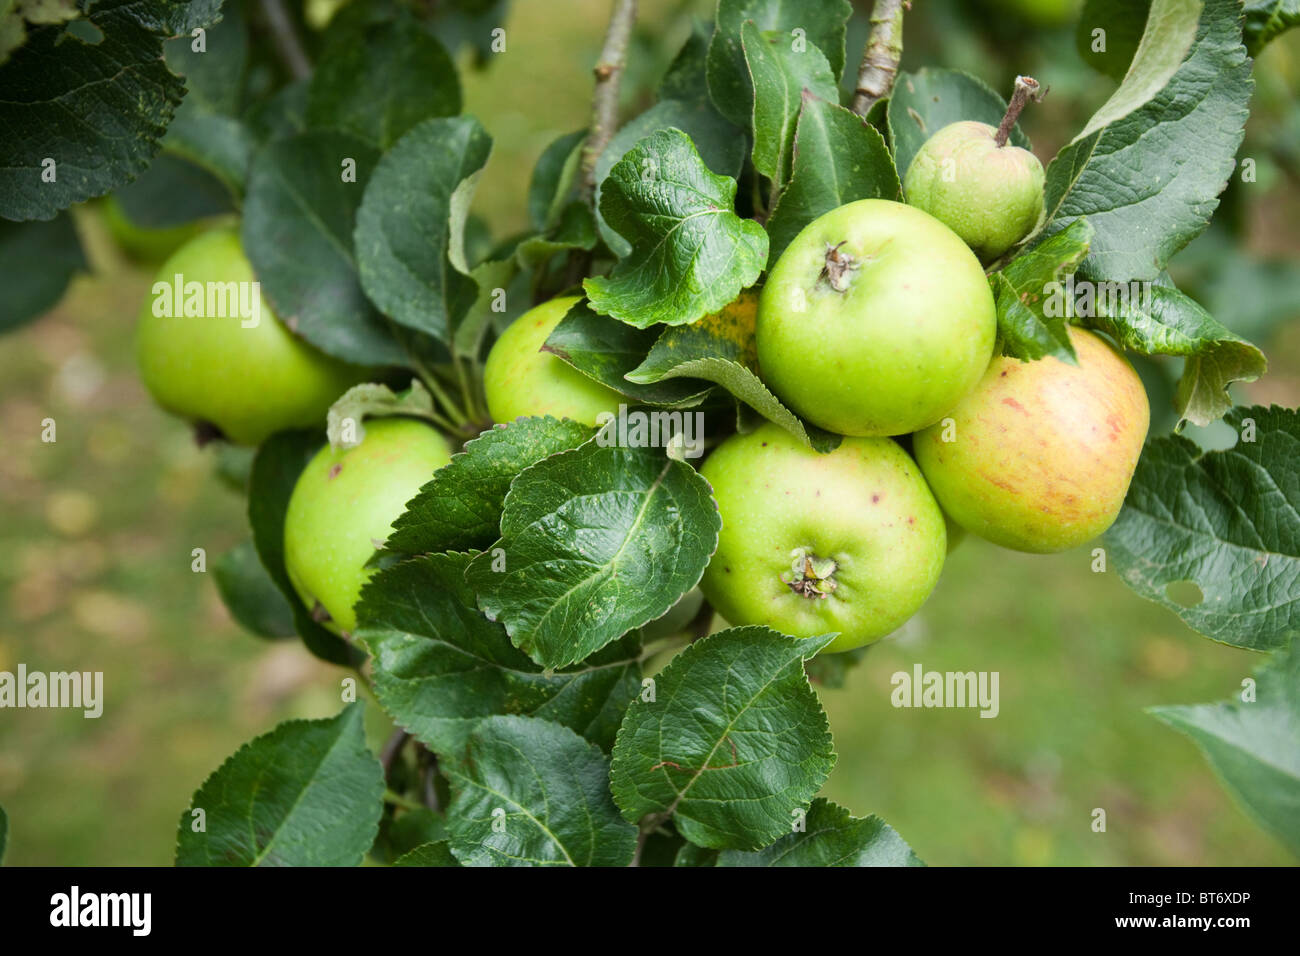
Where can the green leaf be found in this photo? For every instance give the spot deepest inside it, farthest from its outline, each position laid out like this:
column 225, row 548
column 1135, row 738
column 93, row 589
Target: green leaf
column 782, row 72
column 410, row 227
column 299, row 217
column 439, row 666
column 687, row 76
column 926, row 101
column 279, row 462
column 1268, row 19
column 594, row 542
column 380, row 80
column 1024, row 293
column 691, row 253
column 344, row 425
column 1121, row 23
column 533, row 793
column 1254, row 745
column 821, row 24
column 430, row 854
column 575, row 229
column 459, row 509
column 1128, row 171
column 98, row 110
column 37, row 261
column 734, row 742
column 838, row 159
column 1167, row 322
column 692, row 855
column 721, row 145
column 720, row 348
column 553, row 179
column 309, row 793
column 1229, row 521
column 605, row 350
column 173, row 192
column 832, row 837
column 251, row 595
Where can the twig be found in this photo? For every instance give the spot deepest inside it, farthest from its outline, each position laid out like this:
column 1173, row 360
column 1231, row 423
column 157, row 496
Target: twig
column 428, row 774
column 1026, row 90
column 287, row 42
column 649, row 824
column 881, row 55
column 604, row 101
column 393, row 747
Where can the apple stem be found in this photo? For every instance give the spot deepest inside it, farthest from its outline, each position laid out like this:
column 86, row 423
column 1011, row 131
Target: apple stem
column 1026, row 90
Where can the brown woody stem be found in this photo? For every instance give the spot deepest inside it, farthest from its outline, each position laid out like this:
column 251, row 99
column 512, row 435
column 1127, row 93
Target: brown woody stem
column 1026, row 90
column 880, row 57
column 604, row 102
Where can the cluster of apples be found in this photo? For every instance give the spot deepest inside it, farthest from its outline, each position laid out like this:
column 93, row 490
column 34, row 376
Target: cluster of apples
column 876, row 323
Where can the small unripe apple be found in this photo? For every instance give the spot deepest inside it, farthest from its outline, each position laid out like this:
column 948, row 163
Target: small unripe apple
column 343, row 507
column 522, row 380
column 247, row 376
column 875, row 321
column 990, row 195
column 851, row 541
column 1039, row 457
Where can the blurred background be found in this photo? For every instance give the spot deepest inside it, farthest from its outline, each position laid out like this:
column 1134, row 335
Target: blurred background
column 98, row 528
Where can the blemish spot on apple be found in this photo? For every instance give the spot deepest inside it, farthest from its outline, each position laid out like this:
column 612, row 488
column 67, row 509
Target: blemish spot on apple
column 1015, row 404
column 335, row 469
column 875, row 499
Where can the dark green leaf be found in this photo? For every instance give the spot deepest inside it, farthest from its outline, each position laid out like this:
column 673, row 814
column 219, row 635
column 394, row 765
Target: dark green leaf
column 1267, row 20
column 1024, row 290
column 533, row 793
column 411, row 225
column 691, row 253
column 1254, row 745
column 838, row 159
column 430, row 854
column 1108, row 34
column 783, row 71
column 250, row 594
column 1128, row 171
column 380, row 81
column 926, row 101
column 605, row 350
column 819, row 24
column 299, row 217
column 309, row 793
column 98, row 111
column 594, row 542
column 172, row 192
column 553, row 179
column 1229, row 521
column 687, row 76
column 439, row 666
column 832, row 837
column 459, row 509
column 733, row 744
column 37, row 261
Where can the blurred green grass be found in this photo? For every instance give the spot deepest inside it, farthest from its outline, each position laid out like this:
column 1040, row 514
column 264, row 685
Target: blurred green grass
column 95, row 574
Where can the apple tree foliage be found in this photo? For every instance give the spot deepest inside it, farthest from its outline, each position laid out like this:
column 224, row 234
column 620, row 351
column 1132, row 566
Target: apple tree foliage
column 530, row 733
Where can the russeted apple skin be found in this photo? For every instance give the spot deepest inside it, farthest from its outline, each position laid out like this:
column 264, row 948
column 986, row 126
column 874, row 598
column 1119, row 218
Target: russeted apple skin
column 248, row 382
column 1043, row 452
column 990, row 195
column 522, row 380
column 344, row 504
column 864, row 505
column 910, row 334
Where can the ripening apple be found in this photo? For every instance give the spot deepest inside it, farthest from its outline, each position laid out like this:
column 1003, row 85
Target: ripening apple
column 851, row 541
column 990, row 195
column 522, row 380
column 876, row 320
column 247, row 376
column 343, row 507
column 1039, row 457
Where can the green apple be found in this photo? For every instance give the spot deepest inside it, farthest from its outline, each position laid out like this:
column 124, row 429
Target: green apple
column 343, row 507
column 248, row 376
column 522, row 380
column 851, row 541
column 1039, row 457
column 876, row 320
column 990, row 195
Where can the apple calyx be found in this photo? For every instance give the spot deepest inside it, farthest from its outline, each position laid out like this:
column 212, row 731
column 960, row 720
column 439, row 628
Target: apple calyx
column 839, row 267
column 319, row 614
column 810, row 576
